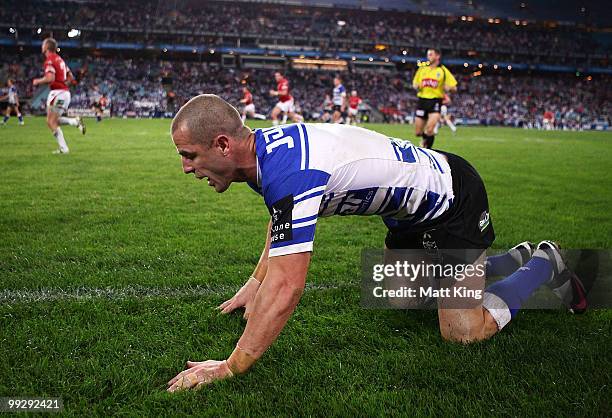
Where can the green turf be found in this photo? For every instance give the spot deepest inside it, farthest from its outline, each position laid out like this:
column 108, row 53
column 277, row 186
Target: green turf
column 117, row 212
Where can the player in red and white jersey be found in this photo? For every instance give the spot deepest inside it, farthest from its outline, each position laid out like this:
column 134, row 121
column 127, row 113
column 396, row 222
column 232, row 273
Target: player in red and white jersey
column 285, row 100
column 548, row 120
column 354, row 102
column 249, row 106
column 57, row 75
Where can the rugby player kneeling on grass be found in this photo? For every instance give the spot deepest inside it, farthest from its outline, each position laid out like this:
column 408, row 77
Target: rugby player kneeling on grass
column 307, row 171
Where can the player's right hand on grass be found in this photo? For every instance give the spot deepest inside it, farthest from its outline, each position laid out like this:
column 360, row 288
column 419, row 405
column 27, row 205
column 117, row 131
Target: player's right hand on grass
column 244, row 298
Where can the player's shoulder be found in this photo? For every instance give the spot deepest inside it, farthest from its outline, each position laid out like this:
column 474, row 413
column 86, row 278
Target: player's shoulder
column 284, row 157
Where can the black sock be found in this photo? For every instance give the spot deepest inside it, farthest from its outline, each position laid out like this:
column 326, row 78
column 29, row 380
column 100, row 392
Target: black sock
column 428, row 140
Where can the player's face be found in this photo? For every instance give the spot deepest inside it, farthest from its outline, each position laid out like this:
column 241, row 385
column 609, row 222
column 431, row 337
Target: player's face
column 278, row 77
column 336, row 81
column 202, row 162
column 433, row 57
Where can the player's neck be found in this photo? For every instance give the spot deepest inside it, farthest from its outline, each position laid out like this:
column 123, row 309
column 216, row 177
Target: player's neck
column 247, row 168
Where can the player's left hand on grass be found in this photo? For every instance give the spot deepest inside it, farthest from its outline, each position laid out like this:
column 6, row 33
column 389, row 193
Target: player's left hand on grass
column 198, row 374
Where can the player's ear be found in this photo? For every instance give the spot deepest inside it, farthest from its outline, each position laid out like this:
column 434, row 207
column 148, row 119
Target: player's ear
column 223, row 143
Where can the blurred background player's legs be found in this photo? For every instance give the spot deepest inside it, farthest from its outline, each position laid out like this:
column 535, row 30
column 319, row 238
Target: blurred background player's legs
column 249, row 111
column 276, row 111
column 428, row 132
column 8, row 111
column 449, row 122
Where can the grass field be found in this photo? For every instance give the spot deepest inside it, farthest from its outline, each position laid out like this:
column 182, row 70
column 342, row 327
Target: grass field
column 112, row 261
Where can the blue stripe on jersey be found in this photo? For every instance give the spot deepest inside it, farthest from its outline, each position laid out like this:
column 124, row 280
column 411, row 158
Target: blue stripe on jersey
column 432, row 159
column 403, row 153
column 384, row 202
column 397, row 199
column 299, row 235
column 395, row 149
column 308, row 196
column 426, row 206
column 306, row 219
column 436, row 208
column 306, row 148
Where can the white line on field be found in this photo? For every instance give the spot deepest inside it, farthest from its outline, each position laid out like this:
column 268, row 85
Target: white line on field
column 129, row 292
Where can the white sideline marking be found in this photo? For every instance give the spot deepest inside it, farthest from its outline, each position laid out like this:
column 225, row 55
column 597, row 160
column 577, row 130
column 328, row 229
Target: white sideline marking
column 129, row 292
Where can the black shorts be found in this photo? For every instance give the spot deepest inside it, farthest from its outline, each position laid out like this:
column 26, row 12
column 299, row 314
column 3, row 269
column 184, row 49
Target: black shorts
column 97, row 105
column 427, row 106
column 337, row 108
column 465, row 225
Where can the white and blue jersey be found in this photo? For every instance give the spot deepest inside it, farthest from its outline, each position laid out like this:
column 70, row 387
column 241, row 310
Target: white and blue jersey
column 12, row 95
column 307, row 171
column 339, row 95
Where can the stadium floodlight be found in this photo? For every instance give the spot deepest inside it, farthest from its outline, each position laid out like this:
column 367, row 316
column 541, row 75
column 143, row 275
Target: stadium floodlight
column 12, row 30
column 495, row 66
column 405, row 52
column 465, row 64
column 509, row 67
column 39, row 31
column 341, row 23
column 165, row 50
column 73, row 33
column 403, row 61
column 370, row 59
column 479, row 65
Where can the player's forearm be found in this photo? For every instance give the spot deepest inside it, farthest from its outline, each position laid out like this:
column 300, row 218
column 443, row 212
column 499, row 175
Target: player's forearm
column 451, row 89
column 275, row 302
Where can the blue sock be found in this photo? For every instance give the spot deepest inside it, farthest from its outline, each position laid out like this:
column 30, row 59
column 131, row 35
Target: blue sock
column 520, row 285
column 20, row 117
column 98, row 118
column 5, row 119
column 502, row 264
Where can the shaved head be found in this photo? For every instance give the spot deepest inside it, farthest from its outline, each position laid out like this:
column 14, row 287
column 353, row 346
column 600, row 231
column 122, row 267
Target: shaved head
column 207, row 116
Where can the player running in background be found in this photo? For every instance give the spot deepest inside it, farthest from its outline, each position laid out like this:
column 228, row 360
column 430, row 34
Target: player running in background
column 431, row 82
column 445, row 117
column 57, row 75
column 339, row 100
column 249, row 106
column 285, row 100
column 13, row 102
column 548, row 120
column 328, row 108
column 99, row 104
column 353, row 110
column 432, row 201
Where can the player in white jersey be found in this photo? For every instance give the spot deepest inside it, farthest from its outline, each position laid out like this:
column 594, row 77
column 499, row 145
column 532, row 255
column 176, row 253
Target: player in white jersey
column 338, row 100
column 429, row 200
column 13, row 103
column 445, row 117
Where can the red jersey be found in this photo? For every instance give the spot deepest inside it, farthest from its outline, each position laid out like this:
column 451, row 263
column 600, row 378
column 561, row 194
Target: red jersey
column 283, row 83
column 548, row 115
column 248, row 98
column 56, row 65
column 354, row 102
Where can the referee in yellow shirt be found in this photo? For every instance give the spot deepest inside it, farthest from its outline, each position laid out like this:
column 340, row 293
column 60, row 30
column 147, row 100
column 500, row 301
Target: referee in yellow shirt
column 431, row 82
